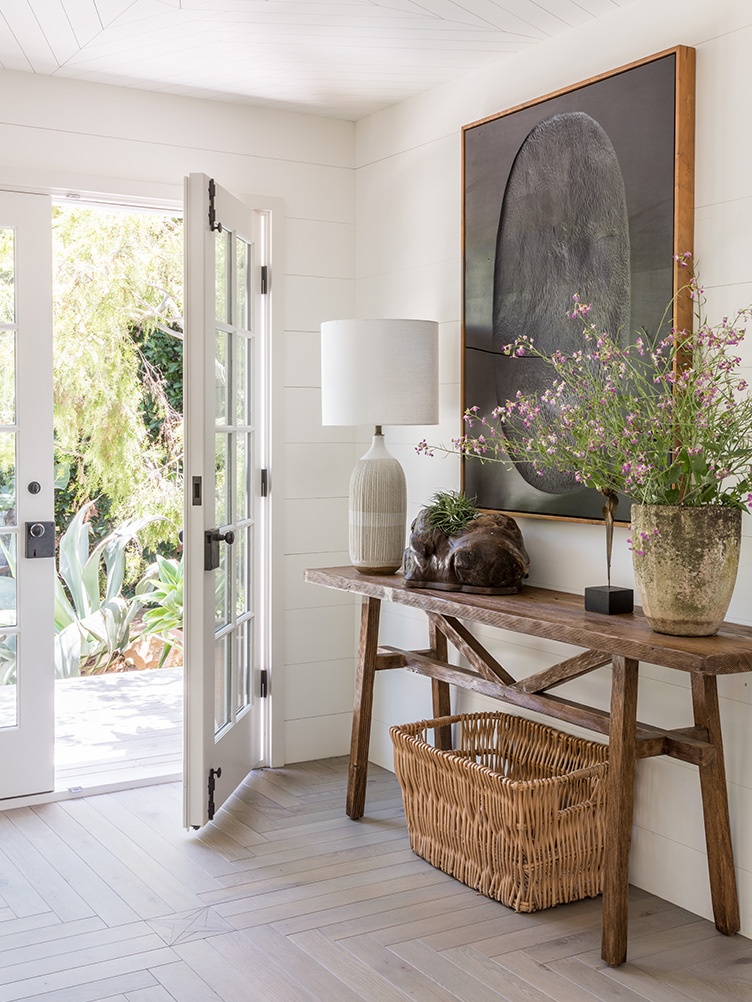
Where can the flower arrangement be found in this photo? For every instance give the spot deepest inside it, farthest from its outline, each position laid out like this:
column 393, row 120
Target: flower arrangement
column 665, row 421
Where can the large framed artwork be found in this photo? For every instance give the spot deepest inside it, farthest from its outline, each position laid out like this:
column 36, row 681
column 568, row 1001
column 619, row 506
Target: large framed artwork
column 591, row 191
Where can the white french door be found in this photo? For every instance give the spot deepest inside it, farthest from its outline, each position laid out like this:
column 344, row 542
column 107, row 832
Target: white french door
column 27, row 534
column 225, row 549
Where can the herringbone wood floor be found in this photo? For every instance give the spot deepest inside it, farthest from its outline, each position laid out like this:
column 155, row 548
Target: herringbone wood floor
column 283, row 899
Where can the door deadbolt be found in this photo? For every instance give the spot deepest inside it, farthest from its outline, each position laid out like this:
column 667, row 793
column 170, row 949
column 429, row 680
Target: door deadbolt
column 40, row 539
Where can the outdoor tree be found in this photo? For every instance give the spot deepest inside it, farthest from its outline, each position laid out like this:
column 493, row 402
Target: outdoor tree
column 118, row 367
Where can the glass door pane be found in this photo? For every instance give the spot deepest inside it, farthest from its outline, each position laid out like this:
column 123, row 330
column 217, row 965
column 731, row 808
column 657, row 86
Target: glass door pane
column 244, row 466
column 26, row 585
column 7, row 275
column 233, row 493
column 8, row 448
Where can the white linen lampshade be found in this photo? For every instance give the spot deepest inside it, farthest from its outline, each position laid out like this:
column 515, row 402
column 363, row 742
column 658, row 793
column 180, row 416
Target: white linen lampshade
column 380, row 372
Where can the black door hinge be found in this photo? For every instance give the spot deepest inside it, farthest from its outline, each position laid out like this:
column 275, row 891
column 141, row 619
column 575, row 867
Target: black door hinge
column 264, row 483
column 213, row 224
column 264, row 683
column 214, row 775
column 264, row 279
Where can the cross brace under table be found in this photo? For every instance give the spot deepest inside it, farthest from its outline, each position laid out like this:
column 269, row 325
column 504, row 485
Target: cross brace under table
column 621, row 641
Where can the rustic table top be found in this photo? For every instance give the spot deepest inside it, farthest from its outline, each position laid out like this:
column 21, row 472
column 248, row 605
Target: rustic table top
column 556, row 615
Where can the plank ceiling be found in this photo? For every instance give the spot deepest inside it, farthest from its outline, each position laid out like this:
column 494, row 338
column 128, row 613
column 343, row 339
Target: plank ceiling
column 339, row 58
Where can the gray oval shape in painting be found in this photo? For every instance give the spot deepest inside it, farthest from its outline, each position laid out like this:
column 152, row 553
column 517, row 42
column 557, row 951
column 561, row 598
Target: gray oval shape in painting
column 563, row 229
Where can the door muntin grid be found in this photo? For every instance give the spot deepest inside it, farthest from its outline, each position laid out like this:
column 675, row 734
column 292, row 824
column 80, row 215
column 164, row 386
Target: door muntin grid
column 234, row 407
column 9, row 642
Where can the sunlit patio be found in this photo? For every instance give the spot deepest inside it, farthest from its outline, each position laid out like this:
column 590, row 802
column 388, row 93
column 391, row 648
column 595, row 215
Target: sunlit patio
column 118, row 727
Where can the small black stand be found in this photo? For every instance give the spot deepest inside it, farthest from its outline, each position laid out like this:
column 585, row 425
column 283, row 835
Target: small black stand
column 609, row 600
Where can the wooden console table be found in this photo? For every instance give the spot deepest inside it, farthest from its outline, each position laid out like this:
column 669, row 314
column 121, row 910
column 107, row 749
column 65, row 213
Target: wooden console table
column 621, row 641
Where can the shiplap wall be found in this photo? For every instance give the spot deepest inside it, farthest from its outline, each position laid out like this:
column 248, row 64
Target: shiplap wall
column 408, row 264
column 69, row 135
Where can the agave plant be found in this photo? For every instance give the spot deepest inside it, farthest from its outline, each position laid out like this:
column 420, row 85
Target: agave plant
column 91, row 622
column 8, row 616
column 8, row 660
column 161, row 589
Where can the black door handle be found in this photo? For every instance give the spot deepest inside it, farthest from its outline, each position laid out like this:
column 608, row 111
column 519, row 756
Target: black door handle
column 212, row 539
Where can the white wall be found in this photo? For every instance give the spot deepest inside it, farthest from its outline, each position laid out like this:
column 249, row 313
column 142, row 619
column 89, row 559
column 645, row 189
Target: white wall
column 408, row 264
column 67, row 135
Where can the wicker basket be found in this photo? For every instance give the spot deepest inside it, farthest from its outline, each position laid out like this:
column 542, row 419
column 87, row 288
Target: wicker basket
column 516, row 811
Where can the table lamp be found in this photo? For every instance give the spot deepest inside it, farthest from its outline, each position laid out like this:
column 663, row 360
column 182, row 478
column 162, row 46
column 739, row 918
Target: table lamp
column 379, row 372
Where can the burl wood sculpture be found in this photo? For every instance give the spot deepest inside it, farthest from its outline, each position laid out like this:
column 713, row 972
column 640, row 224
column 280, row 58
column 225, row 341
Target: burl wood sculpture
column 487, row 556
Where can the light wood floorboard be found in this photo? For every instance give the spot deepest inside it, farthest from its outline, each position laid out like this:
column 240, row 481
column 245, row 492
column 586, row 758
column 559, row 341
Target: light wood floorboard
column 284, row 899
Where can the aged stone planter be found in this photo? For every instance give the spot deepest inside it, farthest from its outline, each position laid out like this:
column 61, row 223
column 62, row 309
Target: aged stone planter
column 687, row 570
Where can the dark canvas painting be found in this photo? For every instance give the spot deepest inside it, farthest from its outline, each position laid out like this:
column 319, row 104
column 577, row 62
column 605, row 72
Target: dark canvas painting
column 573, row 194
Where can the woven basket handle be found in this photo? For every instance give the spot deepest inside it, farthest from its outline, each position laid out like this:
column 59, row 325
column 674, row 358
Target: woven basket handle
column 598, row 776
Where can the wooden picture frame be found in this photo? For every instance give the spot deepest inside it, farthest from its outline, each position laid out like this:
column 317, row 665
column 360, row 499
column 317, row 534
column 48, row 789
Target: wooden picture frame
column 537, row 172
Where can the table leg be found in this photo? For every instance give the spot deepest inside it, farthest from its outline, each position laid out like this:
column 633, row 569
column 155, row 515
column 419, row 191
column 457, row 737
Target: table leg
column 621, row 768
column 442, row 704
column 715, row 808
column 363, row 707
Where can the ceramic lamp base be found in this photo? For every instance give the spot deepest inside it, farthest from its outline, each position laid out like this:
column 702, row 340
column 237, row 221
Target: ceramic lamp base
column 609, row 600
column 378, row 511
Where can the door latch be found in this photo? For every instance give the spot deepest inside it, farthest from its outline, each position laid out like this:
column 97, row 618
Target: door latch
column 40, row 539
column 212, row 539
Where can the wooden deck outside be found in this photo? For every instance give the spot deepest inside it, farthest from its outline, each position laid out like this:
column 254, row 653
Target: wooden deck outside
column 113, row 729
column 117, row 728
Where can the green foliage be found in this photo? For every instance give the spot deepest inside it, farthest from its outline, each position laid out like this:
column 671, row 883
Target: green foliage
column 118, row 426
column 8, row 660
column 161, row 588
column 8, row 582
column 7, row 357
column 7, row 270
column 164, row 352
column 450, row 512
column 8, row 616
column 92, row 617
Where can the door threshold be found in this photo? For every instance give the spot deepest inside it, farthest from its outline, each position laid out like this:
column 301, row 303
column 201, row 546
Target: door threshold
column 72, row 793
